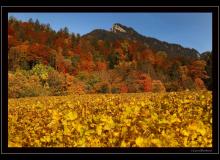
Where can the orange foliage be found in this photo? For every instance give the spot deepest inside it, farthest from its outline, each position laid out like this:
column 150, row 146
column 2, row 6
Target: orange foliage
column 146, row 82
column 199, row 84
column 123, row 88
column 158, row 86
column 197, row 69
column 148, row 55
column 101, row 66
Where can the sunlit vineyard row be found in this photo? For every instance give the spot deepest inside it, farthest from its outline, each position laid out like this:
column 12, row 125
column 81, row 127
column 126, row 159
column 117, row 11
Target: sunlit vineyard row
column 175, row 119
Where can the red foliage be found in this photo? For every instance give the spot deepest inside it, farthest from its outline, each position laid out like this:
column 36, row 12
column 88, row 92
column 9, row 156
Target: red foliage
column 101, row 44
column 148, row 55
column 87, row 65
column 101, row 66
column 10, row 31
column 117, row 44
column 12, row 41
column 132, row 47
column 39, row 52
column 146, row 82
column 123, row 88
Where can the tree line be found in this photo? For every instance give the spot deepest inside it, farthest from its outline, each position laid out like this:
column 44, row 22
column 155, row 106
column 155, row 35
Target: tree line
column 43, row 62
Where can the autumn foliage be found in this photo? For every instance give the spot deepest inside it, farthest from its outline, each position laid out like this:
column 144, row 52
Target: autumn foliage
column 95, row 65
column 104, row 89
column 112, row 120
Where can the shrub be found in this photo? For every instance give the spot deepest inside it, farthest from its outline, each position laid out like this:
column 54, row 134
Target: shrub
column 21, row 84
column 171, row 86
column 157, row 86
column 115, row 90
column 199, row 84
column 57, row 83
column 41, row 71
column 188, row 84
column 102, row 87
column 74, row 86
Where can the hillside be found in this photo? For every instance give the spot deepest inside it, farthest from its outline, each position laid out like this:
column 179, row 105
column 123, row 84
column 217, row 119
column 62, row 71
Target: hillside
column 116, row 61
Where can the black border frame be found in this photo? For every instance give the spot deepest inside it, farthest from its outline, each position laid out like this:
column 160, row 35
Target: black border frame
column 215, row 37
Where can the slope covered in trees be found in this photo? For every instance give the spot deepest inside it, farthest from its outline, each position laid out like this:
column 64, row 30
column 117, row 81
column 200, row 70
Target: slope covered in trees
column 42, row 61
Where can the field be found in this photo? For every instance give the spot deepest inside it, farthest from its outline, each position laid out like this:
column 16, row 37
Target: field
column 175, row 119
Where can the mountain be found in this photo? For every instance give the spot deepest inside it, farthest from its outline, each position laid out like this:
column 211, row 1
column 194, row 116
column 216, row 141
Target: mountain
column 118, row 60
column 121, row 32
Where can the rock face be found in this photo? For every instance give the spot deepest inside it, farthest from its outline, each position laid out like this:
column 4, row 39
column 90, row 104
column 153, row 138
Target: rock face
column 117, row 28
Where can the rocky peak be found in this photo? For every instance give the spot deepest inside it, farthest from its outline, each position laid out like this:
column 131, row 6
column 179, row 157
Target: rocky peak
column 118, row 28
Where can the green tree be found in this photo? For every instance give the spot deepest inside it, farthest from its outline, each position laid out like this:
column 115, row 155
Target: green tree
column 75, row 61
column 113, row 60
column 42, row 72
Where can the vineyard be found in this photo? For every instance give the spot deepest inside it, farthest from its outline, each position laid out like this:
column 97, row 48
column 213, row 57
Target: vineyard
column 174, row 119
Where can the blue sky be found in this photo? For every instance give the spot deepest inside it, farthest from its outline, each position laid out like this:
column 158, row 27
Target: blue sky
column 193, row 30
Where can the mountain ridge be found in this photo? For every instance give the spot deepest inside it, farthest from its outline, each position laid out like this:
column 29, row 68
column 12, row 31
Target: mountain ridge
column 131, row 34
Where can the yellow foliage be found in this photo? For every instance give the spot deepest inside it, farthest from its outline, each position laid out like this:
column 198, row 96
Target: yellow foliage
column 139, row 141
column 176, row 119
column 71, row 116
column 99, row 130
column 123, row 144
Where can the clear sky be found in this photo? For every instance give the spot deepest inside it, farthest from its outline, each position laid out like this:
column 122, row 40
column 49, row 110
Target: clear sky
column 193, row 30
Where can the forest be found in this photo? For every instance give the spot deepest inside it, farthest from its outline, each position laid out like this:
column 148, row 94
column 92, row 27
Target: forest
column 43, row 62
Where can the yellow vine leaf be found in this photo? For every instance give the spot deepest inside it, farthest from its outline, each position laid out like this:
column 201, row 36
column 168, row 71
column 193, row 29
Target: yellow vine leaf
column 71, row 115
column 139, row 141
